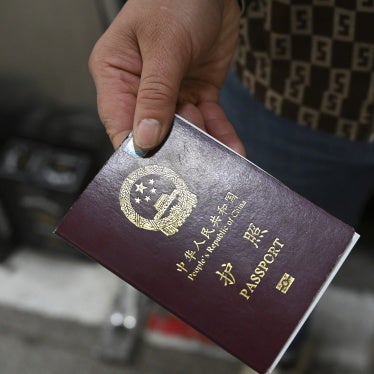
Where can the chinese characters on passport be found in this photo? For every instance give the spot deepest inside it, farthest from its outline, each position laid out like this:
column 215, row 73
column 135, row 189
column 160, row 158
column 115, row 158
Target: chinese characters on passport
column 203, row 248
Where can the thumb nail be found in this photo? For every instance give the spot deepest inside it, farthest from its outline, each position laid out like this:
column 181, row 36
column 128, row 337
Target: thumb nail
column 148, row 133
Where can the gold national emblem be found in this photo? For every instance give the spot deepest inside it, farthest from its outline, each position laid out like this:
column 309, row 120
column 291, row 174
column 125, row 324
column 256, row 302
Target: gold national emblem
column 147, row 206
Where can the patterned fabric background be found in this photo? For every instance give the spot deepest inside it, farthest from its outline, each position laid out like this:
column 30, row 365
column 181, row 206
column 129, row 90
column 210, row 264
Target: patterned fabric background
column 312, row 62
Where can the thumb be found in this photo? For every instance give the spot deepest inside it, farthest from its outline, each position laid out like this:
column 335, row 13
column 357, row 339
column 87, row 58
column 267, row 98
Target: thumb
column 157, row 97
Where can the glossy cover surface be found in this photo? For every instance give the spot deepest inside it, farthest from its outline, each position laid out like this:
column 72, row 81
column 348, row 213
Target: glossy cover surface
column 212, row 238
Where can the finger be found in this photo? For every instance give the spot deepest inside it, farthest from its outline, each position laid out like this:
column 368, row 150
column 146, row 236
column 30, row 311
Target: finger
column 218, row 125
column 116, row 93
column 157, row 96
column 116, row 111
column 192, row 114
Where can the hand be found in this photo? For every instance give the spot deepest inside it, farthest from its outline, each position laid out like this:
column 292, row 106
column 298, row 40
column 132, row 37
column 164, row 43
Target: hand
column 163, row 56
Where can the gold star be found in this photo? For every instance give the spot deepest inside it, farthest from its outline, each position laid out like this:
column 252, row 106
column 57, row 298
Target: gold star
column 137, row 200
column 151, row 181
column 153, row 190
column 147, row 198
column 140, row 187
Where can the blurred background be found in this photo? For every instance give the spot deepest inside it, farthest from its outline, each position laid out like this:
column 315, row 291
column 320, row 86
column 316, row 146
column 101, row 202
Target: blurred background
column 59, row 311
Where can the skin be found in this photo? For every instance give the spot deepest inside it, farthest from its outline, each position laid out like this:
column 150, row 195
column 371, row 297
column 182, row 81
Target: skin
column 159, row 57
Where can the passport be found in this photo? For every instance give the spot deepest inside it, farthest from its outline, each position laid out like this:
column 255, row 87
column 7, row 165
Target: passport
column 212, row 238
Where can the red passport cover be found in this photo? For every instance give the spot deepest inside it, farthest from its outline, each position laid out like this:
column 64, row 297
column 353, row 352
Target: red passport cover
column 213, row 238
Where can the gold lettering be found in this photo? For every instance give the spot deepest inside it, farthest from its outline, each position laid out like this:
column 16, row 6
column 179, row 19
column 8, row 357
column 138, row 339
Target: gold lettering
column 238, row 209
column 255, row 279
column 274, row 251
column 277, row 242
column 244, row 293
column 262, row 265
column 261, row 269
column 269, row 258
column 197, row 269
column 251, row 287
column 259, row 272
column 254, row 234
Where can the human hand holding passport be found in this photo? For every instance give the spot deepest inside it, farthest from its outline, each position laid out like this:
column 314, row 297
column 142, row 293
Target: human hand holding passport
column 212, row 238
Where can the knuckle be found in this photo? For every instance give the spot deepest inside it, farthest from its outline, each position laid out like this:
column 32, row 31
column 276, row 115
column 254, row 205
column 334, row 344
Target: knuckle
column 99, row 57
column 108, row 120
column 156, row 89
column 94, row 58
column 108, row 123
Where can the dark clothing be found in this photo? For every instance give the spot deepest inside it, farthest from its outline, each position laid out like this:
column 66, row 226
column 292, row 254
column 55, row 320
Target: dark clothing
column 312, row 62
